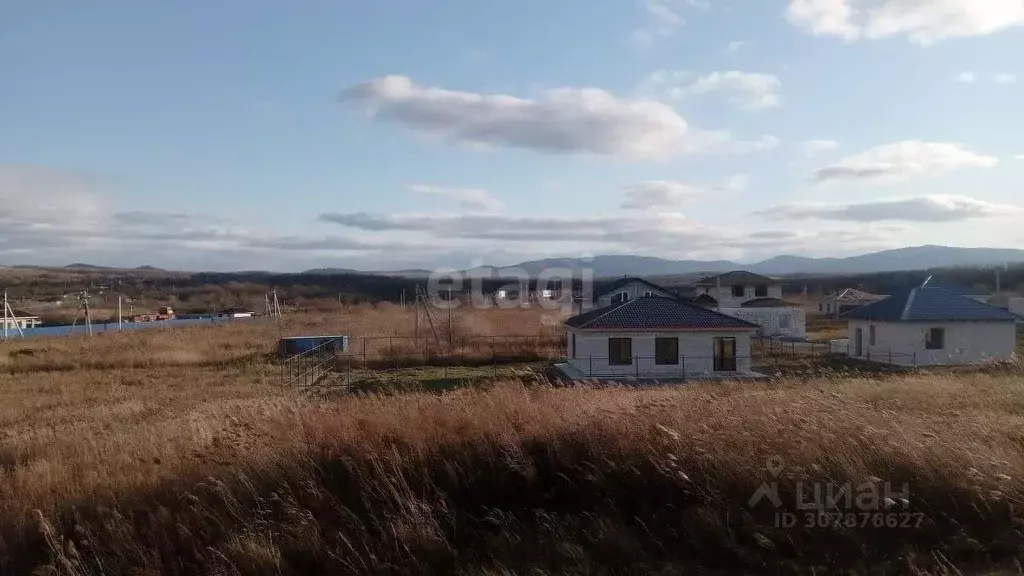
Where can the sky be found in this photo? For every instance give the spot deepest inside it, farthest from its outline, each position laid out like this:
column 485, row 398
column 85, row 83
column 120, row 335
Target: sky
column 397, row 134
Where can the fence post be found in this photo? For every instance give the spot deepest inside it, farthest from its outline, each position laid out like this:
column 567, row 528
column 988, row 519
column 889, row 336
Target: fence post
column 890, row 356
column 364, row 351
column 391, row 347
column 590, row 370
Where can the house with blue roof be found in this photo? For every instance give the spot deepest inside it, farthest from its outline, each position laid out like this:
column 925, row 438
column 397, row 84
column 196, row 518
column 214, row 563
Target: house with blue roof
column 931, row 326
column 977, row 294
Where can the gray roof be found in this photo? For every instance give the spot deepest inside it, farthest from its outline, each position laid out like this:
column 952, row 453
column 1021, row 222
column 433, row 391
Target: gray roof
column 656, row 313
column 959, row 289
column 621, row 282
column 928, row 304
column 735, row 278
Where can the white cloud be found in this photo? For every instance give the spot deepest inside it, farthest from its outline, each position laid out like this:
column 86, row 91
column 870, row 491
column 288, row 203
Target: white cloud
column 903, row 159
column 824, row 17
column 815, row 147
column 1005, row 78
column 662, row 19
column 664, row 233
column 735, row 46
column 669, row 193
column 45, row 211
column 922, row 21
column 1019, row 157
column 468, row 198
column 564, row 120
column 933, row 208
column 747, row 90
column 966, row 77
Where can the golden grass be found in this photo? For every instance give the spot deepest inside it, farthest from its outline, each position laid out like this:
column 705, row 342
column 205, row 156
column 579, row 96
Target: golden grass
column 212, row 468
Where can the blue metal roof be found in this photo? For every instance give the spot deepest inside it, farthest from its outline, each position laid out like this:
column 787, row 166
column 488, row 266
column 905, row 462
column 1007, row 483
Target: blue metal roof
column 656, row 312
column 958, row 289
column 925, row 304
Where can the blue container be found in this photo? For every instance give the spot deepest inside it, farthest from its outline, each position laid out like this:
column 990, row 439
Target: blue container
column 294, row 345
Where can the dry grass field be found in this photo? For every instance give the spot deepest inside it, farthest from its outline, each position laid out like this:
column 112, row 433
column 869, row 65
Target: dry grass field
column 176, row 452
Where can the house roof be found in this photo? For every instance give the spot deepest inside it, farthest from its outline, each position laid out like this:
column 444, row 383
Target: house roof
column 736, row 277
column 852, row 294
column 23, row 314
column 705, row 300
column 767, row 303
column 959, row 289
column 621, row 282
column 927, row 304
column 656, row 313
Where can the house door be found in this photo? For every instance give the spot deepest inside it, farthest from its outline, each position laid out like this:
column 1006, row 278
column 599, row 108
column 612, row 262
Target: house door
column 858, row 342
column 725, row 354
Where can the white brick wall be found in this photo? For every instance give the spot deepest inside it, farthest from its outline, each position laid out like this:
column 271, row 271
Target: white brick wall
column 696, row 351
column 791, row 322
column 965, row 342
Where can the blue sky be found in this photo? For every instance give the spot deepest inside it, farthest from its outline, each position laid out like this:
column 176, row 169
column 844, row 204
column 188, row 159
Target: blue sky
column 239, row 135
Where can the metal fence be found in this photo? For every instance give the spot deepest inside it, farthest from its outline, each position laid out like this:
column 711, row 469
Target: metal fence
column 383, row 353
column 653, row 367
column 398, row 351
column 309, row 367
column 772, row 350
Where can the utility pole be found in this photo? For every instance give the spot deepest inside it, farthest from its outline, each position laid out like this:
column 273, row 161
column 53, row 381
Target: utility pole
column 83, row 305
column 118, row 312
column 416, row 311
column 718, row 292
column 10, row 316
column 449, row 316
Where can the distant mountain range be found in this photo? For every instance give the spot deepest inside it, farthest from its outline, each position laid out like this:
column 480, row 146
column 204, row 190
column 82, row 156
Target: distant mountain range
column 912, row 258
column 610, row 266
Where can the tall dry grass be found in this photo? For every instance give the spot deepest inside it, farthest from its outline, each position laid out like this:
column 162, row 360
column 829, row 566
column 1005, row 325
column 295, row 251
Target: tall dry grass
column 176, row 452
column 218, row 471
column 255, row 341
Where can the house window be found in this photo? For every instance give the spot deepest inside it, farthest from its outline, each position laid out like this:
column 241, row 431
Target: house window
column 935, row 339
column 725, row 354
column 784, row 321
column 738, row 292
column 821, row 307
column 666, row 351
column 620, row 297
column 572, row 345
column 620, row 351
column 761, row 291
column 648, row 294
column 871, row 335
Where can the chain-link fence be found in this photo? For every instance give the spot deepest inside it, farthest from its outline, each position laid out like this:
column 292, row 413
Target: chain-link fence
column 775, row 352
column 309, row 367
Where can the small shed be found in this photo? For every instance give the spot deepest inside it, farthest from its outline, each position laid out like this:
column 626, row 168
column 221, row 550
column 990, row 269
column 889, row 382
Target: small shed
column 295, row 345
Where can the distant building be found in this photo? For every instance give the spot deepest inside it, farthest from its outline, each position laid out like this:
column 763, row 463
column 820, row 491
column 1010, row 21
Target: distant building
column 626, row 289
column 754, row 298
column 929, row 326
column 845, row 300
column 20, row 319
column 236, row 313
column 733, row 289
